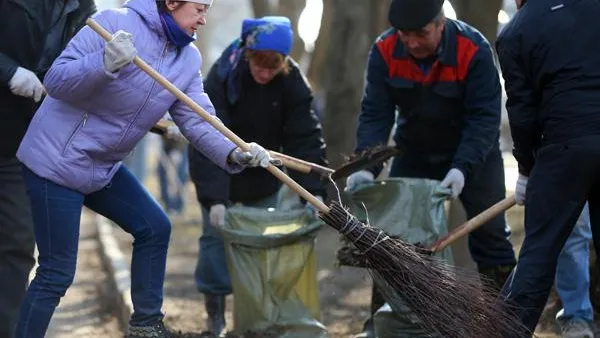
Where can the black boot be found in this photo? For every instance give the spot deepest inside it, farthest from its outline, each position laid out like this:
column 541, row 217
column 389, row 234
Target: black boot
column 496, row 275
column 215, row 309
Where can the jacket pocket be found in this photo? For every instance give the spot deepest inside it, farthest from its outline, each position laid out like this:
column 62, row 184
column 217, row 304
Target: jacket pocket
column 75, row 131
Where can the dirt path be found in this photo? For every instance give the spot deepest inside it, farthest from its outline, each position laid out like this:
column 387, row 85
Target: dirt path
column 83, row 311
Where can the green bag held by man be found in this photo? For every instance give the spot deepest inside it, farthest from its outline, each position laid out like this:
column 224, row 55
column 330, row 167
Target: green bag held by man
column 413, row 210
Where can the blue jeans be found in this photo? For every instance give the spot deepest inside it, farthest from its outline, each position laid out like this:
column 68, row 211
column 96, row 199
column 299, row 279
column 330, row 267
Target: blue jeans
column 56, row 217
column 171, row 193
column 573, row 274
column 212, row 276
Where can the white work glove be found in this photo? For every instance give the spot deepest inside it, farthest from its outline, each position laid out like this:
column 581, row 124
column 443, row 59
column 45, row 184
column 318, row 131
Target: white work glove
column 455, row 180
column 521, row 189
column 174, row 134
column 312, row 208
column 119, row 51
column 357, row 179
column 26, row 83
column 217, row 215
column 256, row 156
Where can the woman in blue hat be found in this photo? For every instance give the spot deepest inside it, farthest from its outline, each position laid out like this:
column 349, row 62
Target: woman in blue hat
column 260, row 93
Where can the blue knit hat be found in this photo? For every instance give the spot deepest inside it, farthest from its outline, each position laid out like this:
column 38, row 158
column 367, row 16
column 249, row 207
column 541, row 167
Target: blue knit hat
column 269, row 33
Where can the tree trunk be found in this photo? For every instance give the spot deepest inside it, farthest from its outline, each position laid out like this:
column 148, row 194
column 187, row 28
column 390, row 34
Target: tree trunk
column 319, row 55
column 261, row 8
column 482, row 15
column 345, row 68
column 292, row 9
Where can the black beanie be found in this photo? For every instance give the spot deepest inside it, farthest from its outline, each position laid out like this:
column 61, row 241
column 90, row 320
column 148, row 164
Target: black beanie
column 410, row 15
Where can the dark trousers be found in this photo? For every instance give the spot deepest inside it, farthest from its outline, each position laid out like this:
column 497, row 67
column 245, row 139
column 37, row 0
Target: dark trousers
column 489, row 245
column 16, row 243
column 565, row 175
column 56, row 216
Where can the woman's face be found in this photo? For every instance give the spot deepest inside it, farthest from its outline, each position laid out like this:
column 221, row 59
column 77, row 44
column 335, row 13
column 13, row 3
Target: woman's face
column 188, row 15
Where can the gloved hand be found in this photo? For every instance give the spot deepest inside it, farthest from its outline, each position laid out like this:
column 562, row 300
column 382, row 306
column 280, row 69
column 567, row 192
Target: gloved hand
column 119, row 51
column 455, row 180
column 174, row 134
column 257, row 156
column 358, row 178
column 26, row 83
column 521, row 189
column 314, row 209
column 216, row 215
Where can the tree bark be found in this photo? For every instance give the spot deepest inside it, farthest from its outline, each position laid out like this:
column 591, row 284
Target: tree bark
column 345, row 67
column 482, row 15
column 261, row 8
column 317, row 65
column 292, row 9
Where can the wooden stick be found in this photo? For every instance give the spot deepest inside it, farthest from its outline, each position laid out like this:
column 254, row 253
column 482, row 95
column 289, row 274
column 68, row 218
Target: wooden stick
column 181, row 96
column 289, row 162
column 473, row 223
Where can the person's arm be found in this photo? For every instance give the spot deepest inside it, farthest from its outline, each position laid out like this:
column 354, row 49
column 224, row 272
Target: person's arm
column 482, row 101
column 79, row 69
column 8, row 67
column 211, row 181
column 378, row 110
column 302, row 134
column 522, row 106
column 201, row 134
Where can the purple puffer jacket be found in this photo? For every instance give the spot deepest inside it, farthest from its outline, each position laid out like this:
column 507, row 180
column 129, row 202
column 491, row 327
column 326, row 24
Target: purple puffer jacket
column 92, row 120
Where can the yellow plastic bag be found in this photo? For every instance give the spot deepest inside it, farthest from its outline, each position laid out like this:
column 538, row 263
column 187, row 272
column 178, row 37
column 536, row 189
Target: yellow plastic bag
column 272, row 266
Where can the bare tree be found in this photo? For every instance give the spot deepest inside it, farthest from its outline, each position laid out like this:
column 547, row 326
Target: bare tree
column 481, row 14
column 345, row 67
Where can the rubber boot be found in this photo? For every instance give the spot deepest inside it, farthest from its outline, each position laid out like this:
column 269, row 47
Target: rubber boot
column 496, row 275
column 215, row 309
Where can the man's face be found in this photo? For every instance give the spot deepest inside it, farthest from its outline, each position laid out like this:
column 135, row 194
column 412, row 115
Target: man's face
column 423, row 43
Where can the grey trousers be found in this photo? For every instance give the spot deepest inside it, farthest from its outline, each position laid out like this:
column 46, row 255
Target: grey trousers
column 16, row 243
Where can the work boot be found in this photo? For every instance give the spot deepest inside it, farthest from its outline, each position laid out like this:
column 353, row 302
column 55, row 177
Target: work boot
column 215, row 309
column 496, row 275
column 576, row 328
column 156, row 330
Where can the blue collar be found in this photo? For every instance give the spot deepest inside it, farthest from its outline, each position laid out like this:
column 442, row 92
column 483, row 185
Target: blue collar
column 175, row 34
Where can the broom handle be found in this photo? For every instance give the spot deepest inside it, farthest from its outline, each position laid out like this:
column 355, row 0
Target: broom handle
column 181, row 96
column 473, row 223
column 290, row 162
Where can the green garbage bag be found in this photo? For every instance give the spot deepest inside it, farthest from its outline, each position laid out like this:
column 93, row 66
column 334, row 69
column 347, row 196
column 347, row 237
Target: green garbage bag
column 412, row 209
column 273, row 267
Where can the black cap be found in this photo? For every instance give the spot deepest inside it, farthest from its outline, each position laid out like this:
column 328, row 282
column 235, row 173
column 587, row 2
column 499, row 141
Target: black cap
column 410, row 15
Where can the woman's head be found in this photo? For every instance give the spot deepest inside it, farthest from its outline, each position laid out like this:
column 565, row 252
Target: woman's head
column 188, row 15
column 268, row 42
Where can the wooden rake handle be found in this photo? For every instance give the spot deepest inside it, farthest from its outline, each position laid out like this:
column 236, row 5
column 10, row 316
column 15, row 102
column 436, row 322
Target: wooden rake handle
column 181, row 96
column 473, row 223
column 290, row 162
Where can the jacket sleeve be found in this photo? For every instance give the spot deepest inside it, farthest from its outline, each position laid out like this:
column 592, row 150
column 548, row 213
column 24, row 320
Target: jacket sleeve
column 376, row 118
column 201, row 134
column 211, row 181
column 482, row 100
column 79, row 69
column 522, row 106
column 302, row 134
column 8, row 67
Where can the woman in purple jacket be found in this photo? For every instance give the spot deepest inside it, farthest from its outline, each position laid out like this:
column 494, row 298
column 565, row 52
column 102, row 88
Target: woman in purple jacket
column 99, row 105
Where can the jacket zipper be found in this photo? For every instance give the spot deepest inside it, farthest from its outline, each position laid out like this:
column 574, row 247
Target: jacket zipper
column 160, row 61
column 80, row 125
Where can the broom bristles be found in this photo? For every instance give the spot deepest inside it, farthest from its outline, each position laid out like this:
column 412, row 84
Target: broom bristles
column 449, row 301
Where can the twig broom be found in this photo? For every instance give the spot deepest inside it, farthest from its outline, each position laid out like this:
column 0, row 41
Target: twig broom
column 447, row 304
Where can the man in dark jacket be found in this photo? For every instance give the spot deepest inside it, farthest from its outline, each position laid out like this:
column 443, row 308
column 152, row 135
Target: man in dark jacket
column 551, row 66
column 33, row 35
column 440, row 76
column 259, row 93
